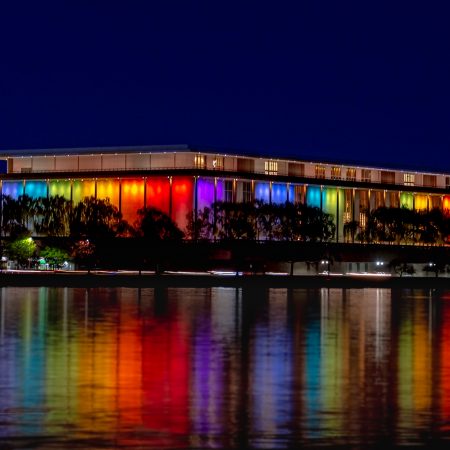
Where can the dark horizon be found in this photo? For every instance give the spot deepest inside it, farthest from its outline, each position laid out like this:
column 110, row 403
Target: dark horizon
column 349, row 83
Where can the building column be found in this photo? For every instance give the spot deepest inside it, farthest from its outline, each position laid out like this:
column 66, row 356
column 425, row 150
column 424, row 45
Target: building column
column 120, row 194
column 337, row 214
column 145, row 192
column 195, row 198
column 170, row 198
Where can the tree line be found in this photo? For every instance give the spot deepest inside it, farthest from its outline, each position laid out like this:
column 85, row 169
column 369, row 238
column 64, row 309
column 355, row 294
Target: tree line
column 400, row 226
column 99, row 218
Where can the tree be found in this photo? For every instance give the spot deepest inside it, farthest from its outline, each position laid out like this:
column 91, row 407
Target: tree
column 95, row 218
column 401, row 267
column 21, row 250
column 54, row 256
column 12, row 217
column 200, row 227
column 316, row 225
column 155, row 225
column 52, row 216
column 83, row 252
column 235, row 220
column 350, row 229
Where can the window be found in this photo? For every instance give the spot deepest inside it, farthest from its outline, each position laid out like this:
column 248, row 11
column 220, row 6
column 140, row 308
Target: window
column 351, row 175
column 394, row 201
column 228, row 191
column 271, row 167
column 320, row 171
column 447, row 182
column 247, row 191
column 218, row 163
column 366, row 175
column 335, row 173
column 296, row 169
column 379, row 199
column 364, row 200
column 200, row 161
column 408, row 179
column 429, row 180
column 362, row 220
column 348, row 197
column 245, row 165
column 298, row 194
column 387, row 177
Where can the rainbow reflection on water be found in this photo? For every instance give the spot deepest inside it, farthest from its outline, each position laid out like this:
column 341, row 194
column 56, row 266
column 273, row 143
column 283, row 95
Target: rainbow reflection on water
column 223, row 368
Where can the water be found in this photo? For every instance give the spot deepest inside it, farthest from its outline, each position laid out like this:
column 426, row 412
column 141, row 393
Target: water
column 223, row 368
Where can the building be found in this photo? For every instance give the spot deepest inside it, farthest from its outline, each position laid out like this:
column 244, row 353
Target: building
column 179, row 179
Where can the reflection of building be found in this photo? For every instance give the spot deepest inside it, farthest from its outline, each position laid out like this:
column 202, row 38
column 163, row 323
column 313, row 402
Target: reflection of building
column 179, row 179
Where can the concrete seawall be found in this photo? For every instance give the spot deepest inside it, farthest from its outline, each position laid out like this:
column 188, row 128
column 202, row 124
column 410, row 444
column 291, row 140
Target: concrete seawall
column 84, row 280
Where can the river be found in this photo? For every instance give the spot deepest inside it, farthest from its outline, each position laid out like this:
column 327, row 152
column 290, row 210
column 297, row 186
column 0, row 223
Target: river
column 228, row 368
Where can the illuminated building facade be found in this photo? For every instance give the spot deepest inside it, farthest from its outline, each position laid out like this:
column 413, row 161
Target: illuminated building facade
column 179, row 179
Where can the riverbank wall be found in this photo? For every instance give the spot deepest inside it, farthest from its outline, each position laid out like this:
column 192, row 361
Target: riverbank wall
column 143, row 280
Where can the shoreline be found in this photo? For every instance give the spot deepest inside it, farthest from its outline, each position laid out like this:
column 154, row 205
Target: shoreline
column 198, row 279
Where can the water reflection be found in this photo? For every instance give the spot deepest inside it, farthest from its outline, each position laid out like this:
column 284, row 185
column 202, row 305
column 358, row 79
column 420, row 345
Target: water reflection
column 223, row 367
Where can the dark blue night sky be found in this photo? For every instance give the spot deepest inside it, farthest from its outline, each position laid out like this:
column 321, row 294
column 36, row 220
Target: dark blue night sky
column 345, row 81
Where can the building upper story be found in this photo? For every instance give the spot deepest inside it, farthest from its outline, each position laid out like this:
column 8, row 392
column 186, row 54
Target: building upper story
column 145, row 160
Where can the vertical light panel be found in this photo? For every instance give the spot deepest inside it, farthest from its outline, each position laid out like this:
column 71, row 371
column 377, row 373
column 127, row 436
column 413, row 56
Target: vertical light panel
column 158, row 193
column 262, row 191
column 220, row 191
column 291, row 192
column 205, row 193
column 36, row 189
column 279, row 193
column 406, row 200
column 333, row 203
column 313, row 196
column 109, row 188
column 329, row 201
column 435, row 201
column 298, row 194
column 446, row 204
column 182, row 199
column 421, row 202
column 82, row 189
column 132, row 198
column 12, row 188
column 61, row 188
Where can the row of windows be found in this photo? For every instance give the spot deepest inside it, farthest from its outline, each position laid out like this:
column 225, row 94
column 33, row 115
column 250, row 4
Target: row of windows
column 271, row 167
column 336, row 173
column 297, row 169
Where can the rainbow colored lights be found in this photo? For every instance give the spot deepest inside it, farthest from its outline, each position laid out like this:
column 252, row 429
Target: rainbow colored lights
column 36, row 189
column 82, row 189
column 313, row 196
column 12, row 188
column 178, row 196
column 182, row 199
column 407, row 200
column 61, row 188
column 132, row 198
column 109, row 188
column 262, row 191
column 158, row 194
column 421, row 202
column 446, row 204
